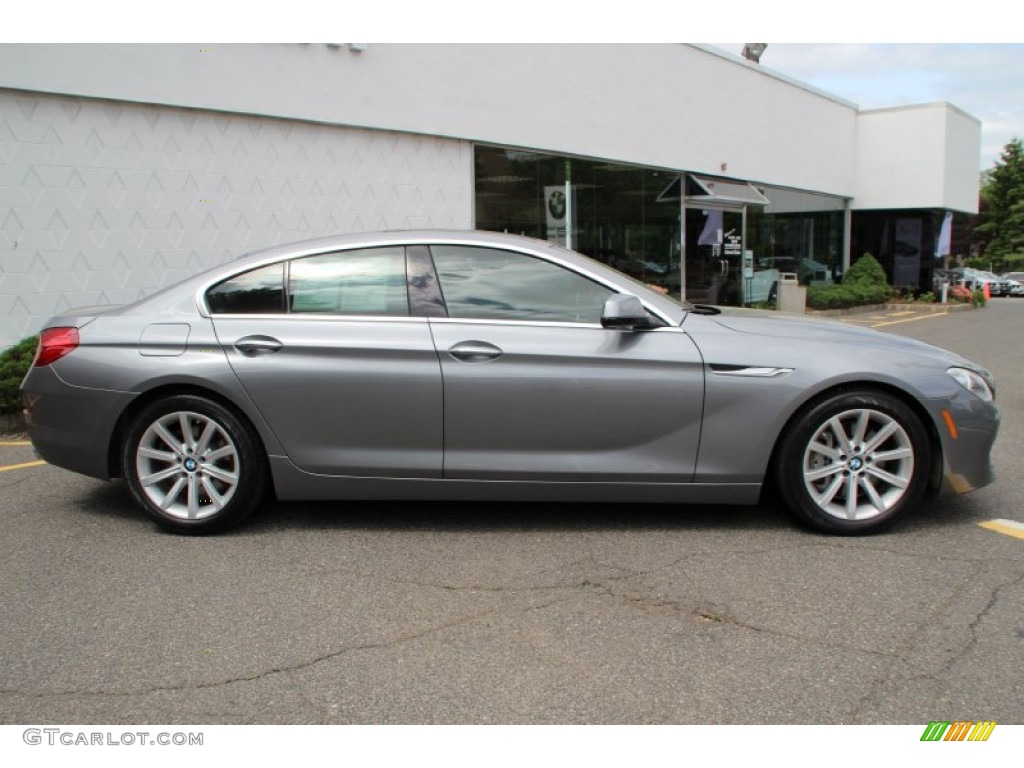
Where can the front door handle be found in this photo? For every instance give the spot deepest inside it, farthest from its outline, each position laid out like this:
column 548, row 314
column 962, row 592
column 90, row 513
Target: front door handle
column 253, row 346
column 475, row 352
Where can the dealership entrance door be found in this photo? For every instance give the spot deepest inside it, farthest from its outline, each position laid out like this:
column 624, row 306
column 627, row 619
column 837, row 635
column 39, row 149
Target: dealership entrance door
column 718, row 267
column 714, row 256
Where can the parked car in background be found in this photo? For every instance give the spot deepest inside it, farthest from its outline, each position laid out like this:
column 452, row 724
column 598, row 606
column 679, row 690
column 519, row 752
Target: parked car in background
column 1016, row 282
column 997, row 286
column 479, row 366
column 976, row 280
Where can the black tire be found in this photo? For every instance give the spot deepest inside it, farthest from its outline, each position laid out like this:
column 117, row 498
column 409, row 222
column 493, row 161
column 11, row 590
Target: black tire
column 862, row 485
column 205, row 484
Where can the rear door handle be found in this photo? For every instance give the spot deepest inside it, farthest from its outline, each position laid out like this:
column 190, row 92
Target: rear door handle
column 253, row 346
column 475, row 352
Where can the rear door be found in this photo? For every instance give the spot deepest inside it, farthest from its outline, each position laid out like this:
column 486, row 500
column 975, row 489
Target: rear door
column 326, row 348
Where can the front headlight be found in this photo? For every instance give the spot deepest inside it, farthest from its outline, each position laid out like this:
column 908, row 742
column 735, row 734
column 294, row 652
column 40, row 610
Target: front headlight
column 973, row 382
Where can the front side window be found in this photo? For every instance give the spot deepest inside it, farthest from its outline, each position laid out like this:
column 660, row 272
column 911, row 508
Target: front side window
column 256, row 292
column 490, row 284
column 370, row 281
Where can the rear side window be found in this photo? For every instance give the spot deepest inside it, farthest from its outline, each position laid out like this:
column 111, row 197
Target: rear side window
column 370, row 281
column 484, row 283
column 257, row 292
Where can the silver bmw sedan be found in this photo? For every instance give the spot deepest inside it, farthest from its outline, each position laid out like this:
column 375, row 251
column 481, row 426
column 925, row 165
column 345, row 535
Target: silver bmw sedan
column 472, row 365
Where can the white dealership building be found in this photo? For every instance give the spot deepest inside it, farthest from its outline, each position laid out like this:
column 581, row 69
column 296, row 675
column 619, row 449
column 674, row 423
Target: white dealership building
column 126, row 167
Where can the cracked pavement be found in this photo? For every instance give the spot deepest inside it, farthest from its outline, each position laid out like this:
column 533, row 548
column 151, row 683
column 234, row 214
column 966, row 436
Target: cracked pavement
column 517, row 613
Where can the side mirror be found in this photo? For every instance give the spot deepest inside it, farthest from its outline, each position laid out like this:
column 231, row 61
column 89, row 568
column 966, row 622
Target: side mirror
column 624, row 311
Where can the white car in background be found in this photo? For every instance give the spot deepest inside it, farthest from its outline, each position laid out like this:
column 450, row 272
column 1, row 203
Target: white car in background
column 1015, row 280
column 977, row 279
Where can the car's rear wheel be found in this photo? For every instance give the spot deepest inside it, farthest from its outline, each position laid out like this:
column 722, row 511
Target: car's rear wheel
column 853, row 463
column 193, row 465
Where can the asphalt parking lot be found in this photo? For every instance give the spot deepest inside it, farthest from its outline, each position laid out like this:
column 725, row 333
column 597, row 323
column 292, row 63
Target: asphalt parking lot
column 514, row 613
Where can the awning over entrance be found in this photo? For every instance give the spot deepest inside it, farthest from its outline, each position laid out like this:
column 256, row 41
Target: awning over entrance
column 703, row 190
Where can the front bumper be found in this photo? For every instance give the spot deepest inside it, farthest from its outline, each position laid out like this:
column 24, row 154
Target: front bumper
column 967, row 437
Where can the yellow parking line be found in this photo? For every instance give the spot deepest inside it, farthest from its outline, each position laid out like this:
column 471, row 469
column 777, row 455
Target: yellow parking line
column 9, row 467
column 911, row 319
column 16, row 442
column 1007, row 527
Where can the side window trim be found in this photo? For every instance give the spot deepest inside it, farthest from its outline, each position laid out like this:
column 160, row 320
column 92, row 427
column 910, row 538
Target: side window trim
column 286, row 275
column 425, row 297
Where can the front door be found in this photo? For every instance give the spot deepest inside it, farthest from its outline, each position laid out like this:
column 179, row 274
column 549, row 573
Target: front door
column 536, row 389
column 550, row 402
column 714, row 256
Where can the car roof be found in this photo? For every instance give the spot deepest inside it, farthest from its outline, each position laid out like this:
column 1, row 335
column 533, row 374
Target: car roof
column 669, row 308
column 396, row 236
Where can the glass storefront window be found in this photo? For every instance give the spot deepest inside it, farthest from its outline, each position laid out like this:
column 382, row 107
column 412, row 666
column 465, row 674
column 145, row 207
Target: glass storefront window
column 798, row 232
column 608, row 211
column 739, row 237
column 903, row 241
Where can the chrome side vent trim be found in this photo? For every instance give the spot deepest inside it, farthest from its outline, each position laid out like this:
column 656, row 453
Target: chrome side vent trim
column 760, row 372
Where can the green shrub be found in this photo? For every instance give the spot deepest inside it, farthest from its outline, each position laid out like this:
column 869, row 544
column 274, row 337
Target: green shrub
column 842, row 296
column 14, row 364
column 865, row 271
column 978, row 298
column 863, row 283
column 927, row 297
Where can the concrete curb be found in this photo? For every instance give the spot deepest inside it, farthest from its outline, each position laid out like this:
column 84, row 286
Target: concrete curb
column 864, row 309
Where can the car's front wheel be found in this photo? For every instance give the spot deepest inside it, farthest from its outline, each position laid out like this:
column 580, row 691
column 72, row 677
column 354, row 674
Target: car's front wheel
column 853, row 463
column 192, row 465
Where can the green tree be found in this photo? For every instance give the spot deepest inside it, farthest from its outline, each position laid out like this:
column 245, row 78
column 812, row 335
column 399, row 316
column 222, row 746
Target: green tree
column 1000, row 225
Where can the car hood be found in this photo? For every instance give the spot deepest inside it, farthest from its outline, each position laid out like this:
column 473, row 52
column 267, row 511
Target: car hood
column 816, row 330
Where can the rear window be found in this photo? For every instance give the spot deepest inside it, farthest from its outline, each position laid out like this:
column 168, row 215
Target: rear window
column 370, row 281
column 257, row 292
column 361, row 282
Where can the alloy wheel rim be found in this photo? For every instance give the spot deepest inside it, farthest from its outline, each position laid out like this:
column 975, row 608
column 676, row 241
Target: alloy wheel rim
column 858, row 464
column 187, row 465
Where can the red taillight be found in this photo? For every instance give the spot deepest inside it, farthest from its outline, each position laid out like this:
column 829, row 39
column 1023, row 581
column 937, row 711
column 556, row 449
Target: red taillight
column 54, row 343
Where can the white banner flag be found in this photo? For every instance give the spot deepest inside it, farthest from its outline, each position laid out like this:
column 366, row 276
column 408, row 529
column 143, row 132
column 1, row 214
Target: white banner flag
column 945, row 235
